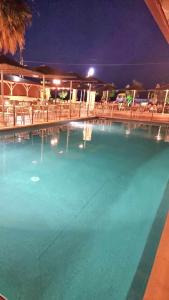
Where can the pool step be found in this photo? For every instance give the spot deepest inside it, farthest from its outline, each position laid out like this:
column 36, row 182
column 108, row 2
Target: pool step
column 158, row 283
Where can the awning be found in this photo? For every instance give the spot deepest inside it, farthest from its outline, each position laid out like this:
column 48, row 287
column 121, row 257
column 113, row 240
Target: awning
column 10, row 66
column 160, row 12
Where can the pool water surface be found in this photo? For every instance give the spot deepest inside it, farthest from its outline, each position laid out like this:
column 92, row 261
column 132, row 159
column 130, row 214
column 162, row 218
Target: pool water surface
column 78, row 206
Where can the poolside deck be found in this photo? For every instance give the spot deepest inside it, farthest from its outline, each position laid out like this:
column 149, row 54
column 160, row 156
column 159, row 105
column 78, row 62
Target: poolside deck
column 158, row 284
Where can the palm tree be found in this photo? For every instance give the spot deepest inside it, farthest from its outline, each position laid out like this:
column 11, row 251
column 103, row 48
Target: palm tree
column 15, row 16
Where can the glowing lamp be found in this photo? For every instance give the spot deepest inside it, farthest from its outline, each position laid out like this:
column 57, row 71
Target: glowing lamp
column 16, row 78
column 90, row 72
column 56, row 81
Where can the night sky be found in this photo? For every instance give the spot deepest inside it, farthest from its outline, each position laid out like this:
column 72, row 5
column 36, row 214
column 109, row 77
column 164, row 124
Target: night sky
column 82, row 33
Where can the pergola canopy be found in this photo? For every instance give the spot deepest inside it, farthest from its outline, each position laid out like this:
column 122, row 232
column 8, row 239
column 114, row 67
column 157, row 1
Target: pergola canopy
column 10, row 66
column 76, row 80
column 69, row 79
column 93, row 80
column 107, row 87
column 53, row 73
column 72, row 76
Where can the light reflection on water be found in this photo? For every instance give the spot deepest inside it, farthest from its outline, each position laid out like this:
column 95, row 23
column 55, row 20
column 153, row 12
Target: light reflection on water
column 158, row 133
column 61, row 138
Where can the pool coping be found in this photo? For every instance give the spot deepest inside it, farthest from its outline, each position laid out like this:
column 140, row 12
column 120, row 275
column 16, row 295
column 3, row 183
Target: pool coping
column 140, row 280
column 122, row 120
column 158, row 285
column 65, row 121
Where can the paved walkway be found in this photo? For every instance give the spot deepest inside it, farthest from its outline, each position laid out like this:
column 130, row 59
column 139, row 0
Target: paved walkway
column 158, row 284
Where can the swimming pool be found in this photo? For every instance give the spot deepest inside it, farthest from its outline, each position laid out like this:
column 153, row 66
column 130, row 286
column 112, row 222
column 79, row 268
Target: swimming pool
column 81, row 210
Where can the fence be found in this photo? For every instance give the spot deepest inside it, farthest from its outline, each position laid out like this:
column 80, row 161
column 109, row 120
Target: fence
column 17, row 115
column 13, row 115
column 137, row 112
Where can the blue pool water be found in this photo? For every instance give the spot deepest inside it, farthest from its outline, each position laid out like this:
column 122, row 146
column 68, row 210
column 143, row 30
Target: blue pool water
column 81, row 210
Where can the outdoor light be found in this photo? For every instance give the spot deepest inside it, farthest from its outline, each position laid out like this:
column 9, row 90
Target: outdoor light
column 91, row 72
column 16, row 78
column 57, row 81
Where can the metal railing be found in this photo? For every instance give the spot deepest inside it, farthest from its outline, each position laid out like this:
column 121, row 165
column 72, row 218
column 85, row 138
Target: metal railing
column 17, row 115
column 136, row 112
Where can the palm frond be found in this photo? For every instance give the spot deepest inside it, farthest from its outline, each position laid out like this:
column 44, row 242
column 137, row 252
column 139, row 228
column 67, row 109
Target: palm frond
column 15, row 17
